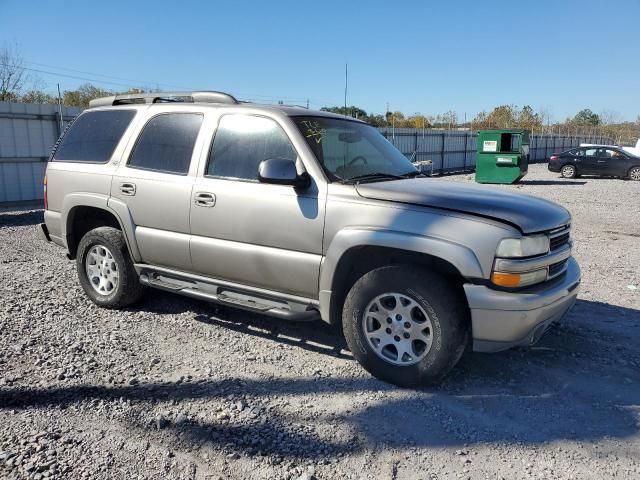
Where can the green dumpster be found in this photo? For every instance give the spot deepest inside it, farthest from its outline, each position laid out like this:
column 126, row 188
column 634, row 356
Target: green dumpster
column 502, row 156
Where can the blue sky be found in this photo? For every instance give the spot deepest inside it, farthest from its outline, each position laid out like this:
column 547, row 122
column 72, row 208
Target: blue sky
column 419, row 56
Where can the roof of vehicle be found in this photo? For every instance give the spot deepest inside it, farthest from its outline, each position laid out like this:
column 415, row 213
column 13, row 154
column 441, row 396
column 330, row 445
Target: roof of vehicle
column 597, row 145
column 209, row 98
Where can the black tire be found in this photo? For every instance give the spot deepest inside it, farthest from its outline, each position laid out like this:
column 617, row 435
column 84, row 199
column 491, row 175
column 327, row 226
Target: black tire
column 634, row 174
column 128, row 289
column 569, row 171
column 442, row 301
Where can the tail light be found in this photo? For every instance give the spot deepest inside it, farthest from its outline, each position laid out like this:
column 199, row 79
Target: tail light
column 553, row 157
column 46, row 200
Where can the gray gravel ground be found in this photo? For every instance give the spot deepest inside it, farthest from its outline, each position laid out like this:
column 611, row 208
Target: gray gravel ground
column 176, row 388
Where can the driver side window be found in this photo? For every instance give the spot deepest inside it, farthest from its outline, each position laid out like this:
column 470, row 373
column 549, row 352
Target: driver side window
column 614, row 154
column 243, row 141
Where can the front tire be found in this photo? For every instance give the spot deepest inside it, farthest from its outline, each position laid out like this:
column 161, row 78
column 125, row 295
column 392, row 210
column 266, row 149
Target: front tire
column 568, row 171
column 634, row 174
column 406, row 325
column 105, row 269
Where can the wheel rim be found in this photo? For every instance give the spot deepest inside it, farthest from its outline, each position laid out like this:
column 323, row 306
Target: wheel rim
column 567, row 171
column 397, row 329
column 102, row 270
column 635, row 174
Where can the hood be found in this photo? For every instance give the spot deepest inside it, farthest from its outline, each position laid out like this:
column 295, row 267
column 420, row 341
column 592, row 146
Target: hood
column 529, row 214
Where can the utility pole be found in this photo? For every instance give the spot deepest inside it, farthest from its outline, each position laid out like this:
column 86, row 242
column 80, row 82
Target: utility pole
column 60, row 110
column 346, row 83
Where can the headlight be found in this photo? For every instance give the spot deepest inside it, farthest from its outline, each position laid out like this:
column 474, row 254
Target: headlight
column 518, row 280
column 523, row 247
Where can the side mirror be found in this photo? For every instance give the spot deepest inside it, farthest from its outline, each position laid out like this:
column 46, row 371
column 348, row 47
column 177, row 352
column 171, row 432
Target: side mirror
column 282, row 171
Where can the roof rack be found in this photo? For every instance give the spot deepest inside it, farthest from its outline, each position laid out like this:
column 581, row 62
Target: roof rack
column 164, row 97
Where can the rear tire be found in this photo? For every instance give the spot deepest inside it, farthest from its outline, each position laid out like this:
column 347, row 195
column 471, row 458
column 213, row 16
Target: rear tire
column 406, row 325
column 105, row 269
column 568, row 171
column 634, row 174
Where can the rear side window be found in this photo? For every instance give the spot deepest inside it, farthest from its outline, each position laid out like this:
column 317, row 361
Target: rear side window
column 166, row 143
column 93, row 136
column 242, row 142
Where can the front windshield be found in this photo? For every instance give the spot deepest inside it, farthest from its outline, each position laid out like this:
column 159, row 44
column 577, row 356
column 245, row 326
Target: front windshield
column 349, row 150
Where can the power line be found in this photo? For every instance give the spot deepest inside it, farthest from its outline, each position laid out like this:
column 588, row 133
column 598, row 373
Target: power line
column 145, row 82
column 139, row 83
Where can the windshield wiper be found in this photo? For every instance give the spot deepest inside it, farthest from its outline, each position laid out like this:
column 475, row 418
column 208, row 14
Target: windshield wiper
column 373, row 176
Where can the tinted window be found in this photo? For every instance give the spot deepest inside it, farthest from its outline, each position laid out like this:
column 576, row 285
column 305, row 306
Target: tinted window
column 166, row 143
column 93, row 136
column 242, row 142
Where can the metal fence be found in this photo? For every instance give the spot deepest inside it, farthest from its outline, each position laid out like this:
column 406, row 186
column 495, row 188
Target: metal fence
column 455, row 151
column 27, row 134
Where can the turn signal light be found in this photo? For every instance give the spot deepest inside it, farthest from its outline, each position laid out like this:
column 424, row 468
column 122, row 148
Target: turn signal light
column 515, row 280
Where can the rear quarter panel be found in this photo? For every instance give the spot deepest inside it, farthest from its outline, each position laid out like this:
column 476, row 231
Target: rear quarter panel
column 68, row 182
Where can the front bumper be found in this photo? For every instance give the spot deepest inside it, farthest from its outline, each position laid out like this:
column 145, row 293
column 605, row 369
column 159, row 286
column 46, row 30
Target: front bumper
column 501, row 320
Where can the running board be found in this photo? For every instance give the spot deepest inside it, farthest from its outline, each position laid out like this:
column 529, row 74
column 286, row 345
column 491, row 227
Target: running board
column 283, row 306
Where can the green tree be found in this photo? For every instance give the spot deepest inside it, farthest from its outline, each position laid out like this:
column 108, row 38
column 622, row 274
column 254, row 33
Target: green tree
column 529, row 119
column 586, row 118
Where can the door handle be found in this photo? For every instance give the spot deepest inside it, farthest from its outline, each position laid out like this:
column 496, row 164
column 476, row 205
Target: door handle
column 602, row 161
column 204, row 199
column 128, row 188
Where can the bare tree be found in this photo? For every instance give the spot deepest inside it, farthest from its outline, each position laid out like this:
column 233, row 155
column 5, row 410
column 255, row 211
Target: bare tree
column 12, row 74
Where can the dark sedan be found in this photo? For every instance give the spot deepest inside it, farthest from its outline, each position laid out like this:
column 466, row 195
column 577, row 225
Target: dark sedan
column 601, row 160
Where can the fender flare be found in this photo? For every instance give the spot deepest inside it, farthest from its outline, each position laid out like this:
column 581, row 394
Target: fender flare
column 460, row 256
column 117, row 208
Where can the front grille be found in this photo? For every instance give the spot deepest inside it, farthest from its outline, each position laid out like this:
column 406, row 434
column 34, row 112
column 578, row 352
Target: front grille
column 559, row 241
column 556, row 268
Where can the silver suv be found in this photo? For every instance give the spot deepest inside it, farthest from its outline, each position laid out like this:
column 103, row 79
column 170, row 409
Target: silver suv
column 304, row 215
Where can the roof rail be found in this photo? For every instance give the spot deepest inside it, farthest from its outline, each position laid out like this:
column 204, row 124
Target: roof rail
column 164, row 97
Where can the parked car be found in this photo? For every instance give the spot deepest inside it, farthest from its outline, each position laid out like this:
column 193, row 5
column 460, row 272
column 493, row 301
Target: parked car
column 601, row 160
column 304, row 215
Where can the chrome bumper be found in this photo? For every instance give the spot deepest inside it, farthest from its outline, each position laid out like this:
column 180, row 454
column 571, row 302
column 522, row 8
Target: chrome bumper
column 501, row 320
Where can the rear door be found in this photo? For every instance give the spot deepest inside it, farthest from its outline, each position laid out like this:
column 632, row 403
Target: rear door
column 156, row 180
column 589, row 163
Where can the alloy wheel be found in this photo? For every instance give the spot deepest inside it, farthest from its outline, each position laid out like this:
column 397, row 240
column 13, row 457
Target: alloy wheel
column 398, row 329
column 102, row 270
column 568, row 171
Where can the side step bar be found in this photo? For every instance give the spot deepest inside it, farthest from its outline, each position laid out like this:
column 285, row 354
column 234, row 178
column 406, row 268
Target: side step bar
column 287, row 307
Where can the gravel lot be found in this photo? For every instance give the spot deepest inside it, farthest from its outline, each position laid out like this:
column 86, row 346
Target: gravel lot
column 177, row 388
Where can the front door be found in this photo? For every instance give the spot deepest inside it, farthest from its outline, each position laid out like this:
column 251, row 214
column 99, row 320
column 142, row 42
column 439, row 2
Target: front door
column 616, row 163
column 156, row 183
column 243, row 231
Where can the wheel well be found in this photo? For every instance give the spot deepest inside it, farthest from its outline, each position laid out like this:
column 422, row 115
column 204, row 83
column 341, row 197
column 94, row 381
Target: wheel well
column 357, row 261
column 80, row 220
